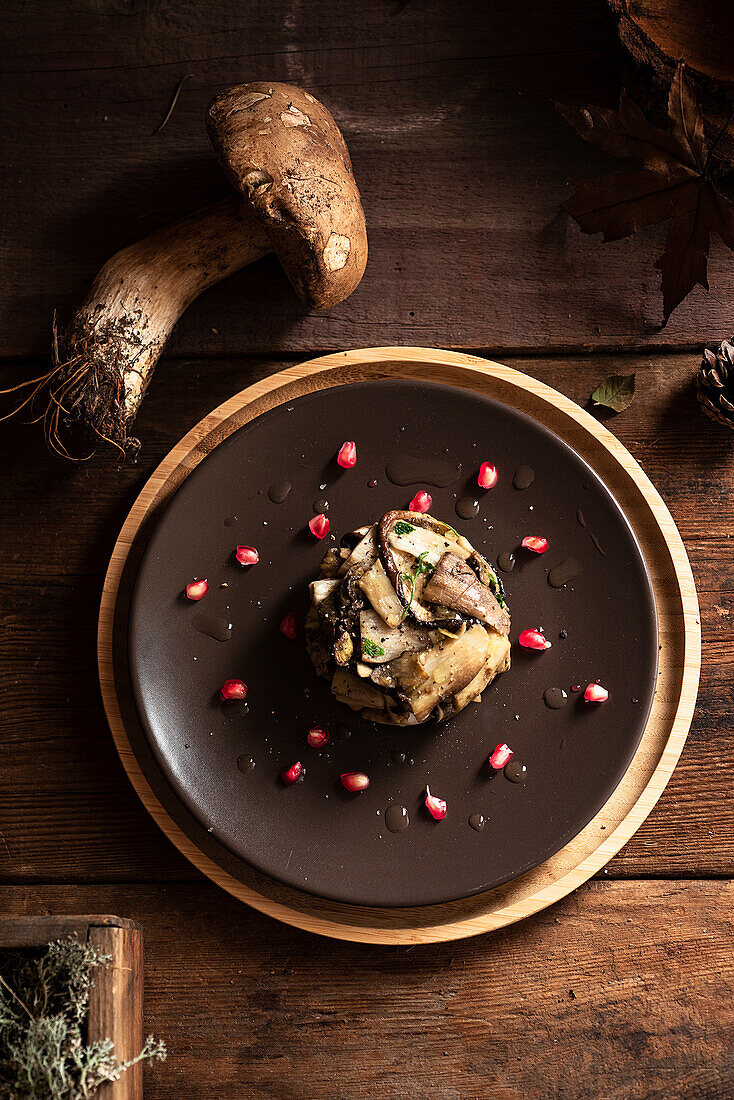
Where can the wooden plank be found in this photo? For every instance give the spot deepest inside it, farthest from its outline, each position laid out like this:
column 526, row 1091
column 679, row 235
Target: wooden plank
column 461, row 158
column 67, row 812
column 116, row 1005
column 621, row 990
column 34, row 931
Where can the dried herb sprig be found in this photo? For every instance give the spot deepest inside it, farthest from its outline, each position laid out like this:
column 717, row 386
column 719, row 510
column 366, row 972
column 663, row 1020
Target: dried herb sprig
column 44, row 998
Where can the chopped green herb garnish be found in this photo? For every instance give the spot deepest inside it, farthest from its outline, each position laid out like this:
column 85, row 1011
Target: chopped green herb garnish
column 496, row 586
column 372, row 649
column 452, row 532
column 403, row 528
column 421, row 567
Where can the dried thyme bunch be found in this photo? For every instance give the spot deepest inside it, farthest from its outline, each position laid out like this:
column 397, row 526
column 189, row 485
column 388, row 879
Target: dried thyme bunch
column 43, row 1008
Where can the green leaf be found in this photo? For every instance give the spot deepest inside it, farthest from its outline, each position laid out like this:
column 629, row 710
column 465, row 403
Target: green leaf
column 617, row 392
column 372, row 649
column 403, row 528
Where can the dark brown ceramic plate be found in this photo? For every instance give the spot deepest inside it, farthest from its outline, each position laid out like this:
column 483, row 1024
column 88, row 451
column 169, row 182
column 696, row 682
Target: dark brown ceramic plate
column 313, row 835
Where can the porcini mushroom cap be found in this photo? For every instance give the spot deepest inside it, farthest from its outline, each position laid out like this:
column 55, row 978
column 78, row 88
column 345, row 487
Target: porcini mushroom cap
column 285, row 154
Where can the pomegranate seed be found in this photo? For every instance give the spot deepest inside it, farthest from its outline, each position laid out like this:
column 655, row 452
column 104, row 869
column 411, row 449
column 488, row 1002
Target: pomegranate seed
column 595, row 693
column 233, row 690
column 536, row 543
column 488, row 476
column 290, row 775
column 534, row 639
column 247, row 555
column 289, row 625
column 317, row 737
column 435, row 806
column 319, row 526
column 196, row 590
column 502, row 755
column 575, row 687
column 347, row 456
column 421, row 502
column 355, row 781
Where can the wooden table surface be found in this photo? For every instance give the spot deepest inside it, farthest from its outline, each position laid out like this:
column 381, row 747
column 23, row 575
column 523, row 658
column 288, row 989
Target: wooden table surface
column 625, row 988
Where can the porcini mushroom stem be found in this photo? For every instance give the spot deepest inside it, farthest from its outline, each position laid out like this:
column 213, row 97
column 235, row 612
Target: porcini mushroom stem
column 110, row 349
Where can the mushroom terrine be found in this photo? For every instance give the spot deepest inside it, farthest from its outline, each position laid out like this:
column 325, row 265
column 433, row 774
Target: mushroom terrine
column 408, row 621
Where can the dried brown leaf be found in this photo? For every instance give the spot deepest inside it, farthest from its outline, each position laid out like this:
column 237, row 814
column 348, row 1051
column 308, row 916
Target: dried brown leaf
column 674, row 183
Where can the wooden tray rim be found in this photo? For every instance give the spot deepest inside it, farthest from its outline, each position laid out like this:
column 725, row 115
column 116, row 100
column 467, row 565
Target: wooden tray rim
column 551, row 881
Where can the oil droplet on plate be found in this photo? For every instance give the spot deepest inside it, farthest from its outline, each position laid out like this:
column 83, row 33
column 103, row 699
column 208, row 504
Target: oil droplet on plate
column 564, row 572
column 245, row 763
column 396, row 818
column 279, row 490
column 516, row 772
column 213, row 626
column 524, row 477
column 506, row 562
column 466, row 508
column 555, row 698
column 405, row 470
column 477, row 822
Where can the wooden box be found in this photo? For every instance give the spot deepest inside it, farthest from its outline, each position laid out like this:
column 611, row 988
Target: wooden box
column 116, row 998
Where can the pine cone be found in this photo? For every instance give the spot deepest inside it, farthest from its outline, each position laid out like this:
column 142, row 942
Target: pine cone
column 715, row 384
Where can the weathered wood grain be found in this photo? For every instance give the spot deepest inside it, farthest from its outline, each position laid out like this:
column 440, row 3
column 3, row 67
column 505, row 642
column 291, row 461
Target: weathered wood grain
column 116, row 1005
column 18, row 932
column 461, row 158
column 622, row 990
column 67, row 812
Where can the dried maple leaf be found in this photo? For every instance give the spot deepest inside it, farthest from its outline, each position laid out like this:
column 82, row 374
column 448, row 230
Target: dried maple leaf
column 675, row 182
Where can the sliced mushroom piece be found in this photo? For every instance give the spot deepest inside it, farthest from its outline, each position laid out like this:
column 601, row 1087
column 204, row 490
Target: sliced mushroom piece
column 330, row 563
column 446, row 669
column 424, row 543
column 329, row 611
column 379, row 591
column 316, row 643
column 351, row 599
column 455, row 585
column 364, row 553
column 381, row 643
column 383, row 676
column 406, row 572
column 496, row 661
column 487, row 576
column 323, row 588
column 356, row 693
column 390, row 717
column 452, row 631
column 343, row 649
column 348, row 541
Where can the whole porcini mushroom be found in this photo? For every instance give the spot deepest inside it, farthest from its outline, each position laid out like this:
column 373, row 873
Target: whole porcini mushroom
column 284, row 153
column 298, row 198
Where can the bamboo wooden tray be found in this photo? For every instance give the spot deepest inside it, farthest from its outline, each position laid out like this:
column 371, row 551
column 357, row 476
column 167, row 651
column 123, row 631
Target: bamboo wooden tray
column 658, row 751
